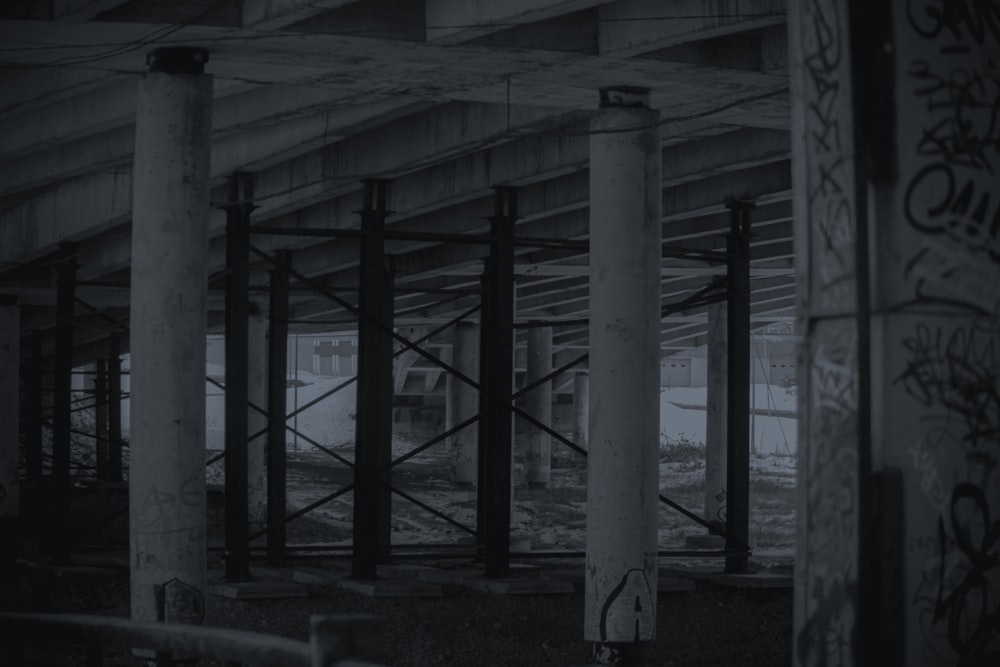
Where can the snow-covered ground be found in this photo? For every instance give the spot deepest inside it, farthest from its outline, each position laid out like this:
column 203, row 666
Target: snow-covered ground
column 682, row 418
column 555, row 517
column 682, row 415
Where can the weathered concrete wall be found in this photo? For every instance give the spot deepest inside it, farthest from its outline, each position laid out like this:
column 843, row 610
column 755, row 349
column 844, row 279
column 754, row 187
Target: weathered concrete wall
column 826, row 599
column 938, row 299
column 927, row 312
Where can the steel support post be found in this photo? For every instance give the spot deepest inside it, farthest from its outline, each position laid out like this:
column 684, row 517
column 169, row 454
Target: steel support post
column 114, row 399
column 256, row 419
column 32, row 409
column 496, row 388
column 238, row 209
column 101, row 418
column 624, row 332
column 277, row 384
column 373, row 435
column 167, row 325
column 738, row 389
column 61, row 405
column 10, row 357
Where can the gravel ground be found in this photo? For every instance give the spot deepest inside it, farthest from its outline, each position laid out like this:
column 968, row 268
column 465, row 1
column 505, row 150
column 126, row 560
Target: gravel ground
column 708, row 626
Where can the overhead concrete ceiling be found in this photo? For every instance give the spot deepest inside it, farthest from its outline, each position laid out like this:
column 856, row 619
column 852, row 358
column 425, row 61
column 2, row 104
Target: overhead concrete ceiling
column 445, row 98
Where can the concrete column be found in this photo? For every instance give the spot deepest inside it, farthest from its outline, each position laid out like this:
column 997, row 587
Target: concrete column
column 257, row 327
column 463, row 403
column 538, row 403
column 114, row 409
column 898, row 233
column 622, row 468
column 10, row 358
column 58, row 505
column 170, row 212
column 715, row 417
column 101, row 418
column 581, row 408
column 935, row 396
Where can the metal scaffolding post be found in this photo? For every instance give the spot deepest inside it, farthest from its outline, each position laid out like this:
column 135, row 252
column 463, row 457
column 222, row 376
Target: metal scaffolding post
column 114, row 409
column 496, row 388
column 61, row 406
column 277, row 371
column 373, row 424
column 738, row 386
column 238, row 209
column 101, row 418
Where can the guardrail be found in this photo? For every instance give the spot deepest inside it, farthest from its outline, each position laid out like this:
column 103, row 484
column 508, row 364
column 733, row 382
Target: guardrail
column 335, row 640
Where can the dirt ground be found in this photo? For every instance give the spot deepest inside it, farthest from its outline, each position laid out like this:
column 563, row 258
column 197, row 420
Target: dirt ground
column 710, row 625
column 707, row 626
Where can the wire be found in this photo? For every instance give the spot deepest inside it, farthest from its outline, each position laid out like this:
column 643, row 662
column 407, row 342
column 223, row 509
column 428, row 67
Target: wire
column 507, row 134
column 149, row 38
column 118, row 48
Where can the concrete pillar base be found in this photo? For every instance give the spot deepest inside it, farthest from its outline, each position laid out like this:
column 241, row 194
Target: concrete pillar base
column 617, row 653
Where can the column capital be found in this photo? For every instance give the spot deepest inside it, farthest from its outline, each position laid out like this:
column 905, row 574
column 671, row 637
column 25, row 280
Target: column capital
column 177, row 60
column 625, row 96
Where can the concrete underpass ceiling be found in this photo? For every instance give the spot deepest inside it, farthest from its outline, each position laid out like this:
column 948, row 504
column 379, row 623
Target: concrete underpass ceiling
column 446, row 98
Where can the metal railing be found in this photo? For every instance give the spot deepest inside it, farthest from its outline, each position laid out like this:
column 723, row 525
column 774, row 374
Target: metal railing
column 334, row 640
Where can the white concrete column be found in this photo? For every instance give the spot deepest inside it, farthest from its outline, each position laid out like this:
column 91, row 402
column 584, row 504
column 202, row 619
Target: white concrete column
column 462, row 402
column 257, row 421
column 622, row 469
column 170, row 210
column 10, row 357
column 538, row 403
column 581, row 408
column 715, row 416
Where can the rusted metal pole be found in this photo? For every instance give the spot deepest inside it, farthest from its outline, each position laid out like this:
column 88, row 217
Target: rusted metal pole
column 496, row 388
column 738, row 389
column 373, row 435
column 238, row 209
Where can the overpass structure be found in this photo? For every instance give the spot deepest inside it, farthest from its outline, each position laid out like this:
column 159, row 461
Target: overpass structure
column 600, row 171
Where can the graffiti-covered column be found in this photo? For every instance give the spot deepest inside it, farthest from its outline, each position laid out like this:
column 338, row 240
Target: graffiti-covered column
column 622, row 468
column 937, row 305
column 463, row 403
column 897, row 200
column 826, row 238
column 170, row 212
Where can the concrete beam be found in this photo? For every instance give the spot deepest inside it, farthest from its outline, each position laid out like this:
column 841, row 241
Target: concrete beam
column 273, row 124
column 70, row 210
column 457, row 21
column 90, row 112
column 723, row 153
column 25, row 89
column 277, row 14
column 629, row 27
column 78, row 11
